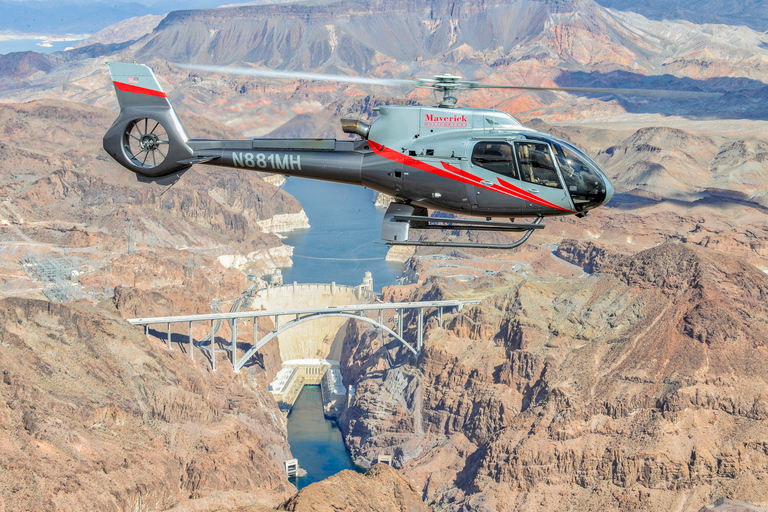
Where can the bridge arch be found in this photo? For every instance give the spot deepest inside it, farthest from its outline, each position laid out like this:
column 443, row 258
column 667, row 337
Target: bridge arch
column 293, row 323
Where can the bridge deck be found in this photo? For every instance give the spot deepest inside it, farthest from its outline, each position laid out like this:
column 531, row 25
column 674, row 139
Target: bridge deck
column 302, row 311
column 353, row 311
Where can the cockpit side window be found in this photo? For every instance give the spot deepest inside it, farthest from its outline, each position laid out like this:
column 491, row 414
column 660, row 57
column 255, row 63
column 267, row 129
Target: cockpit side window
column 496, row 157
column 536, row 164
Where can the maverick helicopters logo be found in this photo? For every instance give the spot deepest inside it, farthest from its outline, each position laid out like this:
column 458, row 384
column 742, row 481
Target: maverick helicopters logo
column 457, row 121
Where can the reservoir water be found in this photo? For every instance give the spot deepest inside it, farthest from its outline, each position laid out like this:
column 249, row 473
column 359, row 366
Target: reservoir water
column 315, row 441
column 339, row 247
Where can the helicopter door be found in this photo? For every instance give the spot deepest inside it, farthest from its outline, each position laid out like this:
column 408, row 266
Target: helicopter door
column 497, row 157
column 539, row 176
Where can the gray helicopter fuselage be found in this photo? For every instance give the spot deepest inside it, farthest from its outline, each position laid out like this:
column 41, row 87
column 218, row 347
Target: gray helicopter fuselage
column 467, row 161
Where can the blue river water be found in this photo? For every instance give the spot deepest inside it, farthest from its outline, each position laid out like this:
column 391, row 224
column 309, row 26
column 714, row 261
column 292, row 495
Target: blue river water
column 340, row 246
column 315, row 441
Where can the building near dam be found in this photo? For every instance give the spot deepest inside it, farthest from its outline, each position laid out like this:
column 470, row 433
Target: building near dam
column 297, row 373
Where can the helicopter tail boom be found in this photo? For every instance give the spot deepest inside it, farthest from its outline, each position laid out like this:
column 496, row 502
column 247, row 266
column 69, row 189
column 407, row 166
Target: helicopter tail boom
column 147, row 137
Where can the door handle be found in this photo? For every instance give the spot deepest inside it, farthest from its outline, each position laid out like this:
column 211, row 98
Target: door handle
column 534, row 190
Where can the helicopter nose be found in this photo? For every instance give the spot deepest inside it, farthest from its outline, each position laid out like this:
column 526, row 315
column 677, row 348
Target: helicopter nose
column 608, row 191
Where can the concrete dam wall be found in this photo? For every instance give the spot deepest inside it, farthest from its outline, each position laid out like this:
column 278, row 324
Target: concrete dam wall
column 310, row 351
column 319, row 338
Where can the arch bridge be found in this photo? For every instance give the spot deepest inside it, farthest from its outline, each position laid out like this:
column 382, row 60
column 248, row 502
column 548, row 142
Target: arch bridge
column 298, row 316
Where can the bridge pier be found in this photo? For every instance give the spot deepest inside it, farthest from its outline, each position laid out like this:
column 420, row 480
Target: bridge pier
column 420, row 333
column 213, row 347
column 233, row 341
column 191, row 343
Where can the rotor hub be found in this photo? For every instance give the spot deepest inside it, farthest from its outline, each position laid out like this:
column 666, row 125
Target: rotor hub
column 149, row 142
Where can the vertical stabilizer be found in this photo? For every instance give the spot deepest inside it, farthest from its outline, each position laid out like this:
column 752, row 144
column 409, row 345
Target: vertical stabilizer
column 148, row 137
column 135, row 84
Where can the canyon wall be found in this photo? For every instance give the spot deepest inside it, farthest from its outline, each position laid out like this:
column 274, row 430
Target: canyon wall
column 95, row 416
column 642, row 387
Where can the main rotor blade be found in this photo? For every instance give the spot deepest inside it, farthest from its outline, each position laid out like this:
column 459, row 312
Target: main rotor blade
column 298, row 74
column 441, row 83
column 660, row 93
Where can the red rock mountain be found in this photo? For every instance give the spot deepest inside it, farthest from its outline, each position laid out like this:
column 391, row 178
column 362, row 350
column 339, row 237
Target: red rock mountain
column 93, row 416
column 644, row 387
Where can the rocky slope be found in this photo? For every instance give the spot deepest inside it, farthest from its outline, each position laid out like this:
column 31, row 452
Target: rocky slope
column 643, row 387
column 675, row 164
column 576, row 42
column 381, row 489
column 63, row 193
column 751, row 14
column 93, row 415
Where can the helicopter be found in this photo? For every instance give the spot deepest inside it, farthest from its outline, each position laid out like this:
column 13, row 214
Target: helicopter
column 466, row 161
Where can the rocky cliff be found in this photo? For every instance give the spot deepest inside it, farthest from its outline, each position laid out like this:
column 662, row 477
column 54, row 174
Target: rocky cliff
column 641, row 387
column 95, row 416
column 698, row 11
column 381, row 489
column 575, row 42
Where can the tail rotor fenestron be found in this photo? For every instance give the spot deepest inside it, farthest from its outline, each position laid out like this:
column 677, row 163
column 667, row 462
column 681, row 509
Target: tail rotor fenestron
column 146, row 143
column 148, row 137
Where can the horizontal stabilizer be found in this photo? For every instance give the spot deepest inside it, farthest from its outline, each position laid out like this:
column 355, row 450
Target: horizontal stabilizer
column 198, row 160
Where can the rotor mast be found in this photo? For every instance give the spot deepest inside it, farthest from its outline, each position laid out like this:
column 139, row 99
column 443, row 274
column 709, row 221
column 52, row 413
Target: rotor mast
column 445, row 84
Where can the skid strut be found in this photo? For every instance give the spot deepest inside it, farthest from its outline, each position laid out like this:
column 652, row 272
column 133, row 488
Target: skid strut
column 399, row 220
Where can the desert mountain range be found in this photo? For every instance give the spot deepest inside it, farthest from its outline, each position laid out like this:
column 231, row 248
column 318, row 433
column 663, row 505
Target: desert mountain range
column 615, row 362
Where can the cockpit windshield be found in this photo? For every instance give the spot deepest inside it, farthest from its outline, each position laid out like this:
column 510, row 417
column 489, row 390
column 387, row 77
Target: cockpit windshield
column 584, row 183
column 533, row 161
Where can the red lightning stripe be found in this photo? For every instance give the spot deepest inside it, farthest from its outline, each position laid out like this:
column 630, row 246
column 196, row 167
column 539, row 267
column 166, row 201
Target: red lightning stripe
column 139, row 90
column 527, row 195
column 455, row 173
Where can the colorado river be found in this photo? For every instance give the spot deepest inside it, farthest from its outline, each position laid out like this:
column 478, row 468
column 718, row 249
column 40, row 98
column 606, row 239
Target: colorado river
column 339, row 247
column 315, row 441
column 340, row 244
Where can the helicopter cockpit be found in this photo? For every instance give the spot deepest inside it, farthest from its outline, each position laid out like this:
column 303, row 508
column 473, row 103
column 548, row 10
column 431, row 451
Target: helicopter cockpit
column 586, row 182
column 549, row 163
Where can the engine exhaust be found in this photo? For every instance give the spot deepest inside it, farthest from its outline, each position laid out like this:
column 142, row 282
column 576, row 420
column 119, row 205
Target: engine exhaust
column 355, row 126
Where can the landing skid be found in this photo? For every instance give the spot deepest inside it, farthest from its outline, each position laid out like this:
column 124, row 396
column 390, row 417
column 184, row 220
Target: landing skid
column 399, row 220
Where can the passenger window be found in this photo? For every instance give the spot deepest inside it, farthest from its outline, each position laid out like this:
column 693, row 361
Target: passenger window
column 536, row 164
column 496, row 157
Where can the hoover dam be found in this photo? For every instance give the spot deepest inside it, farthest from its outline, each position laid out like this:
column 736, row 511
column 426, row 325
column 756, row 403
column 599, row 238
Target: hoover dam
column 310, row 351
